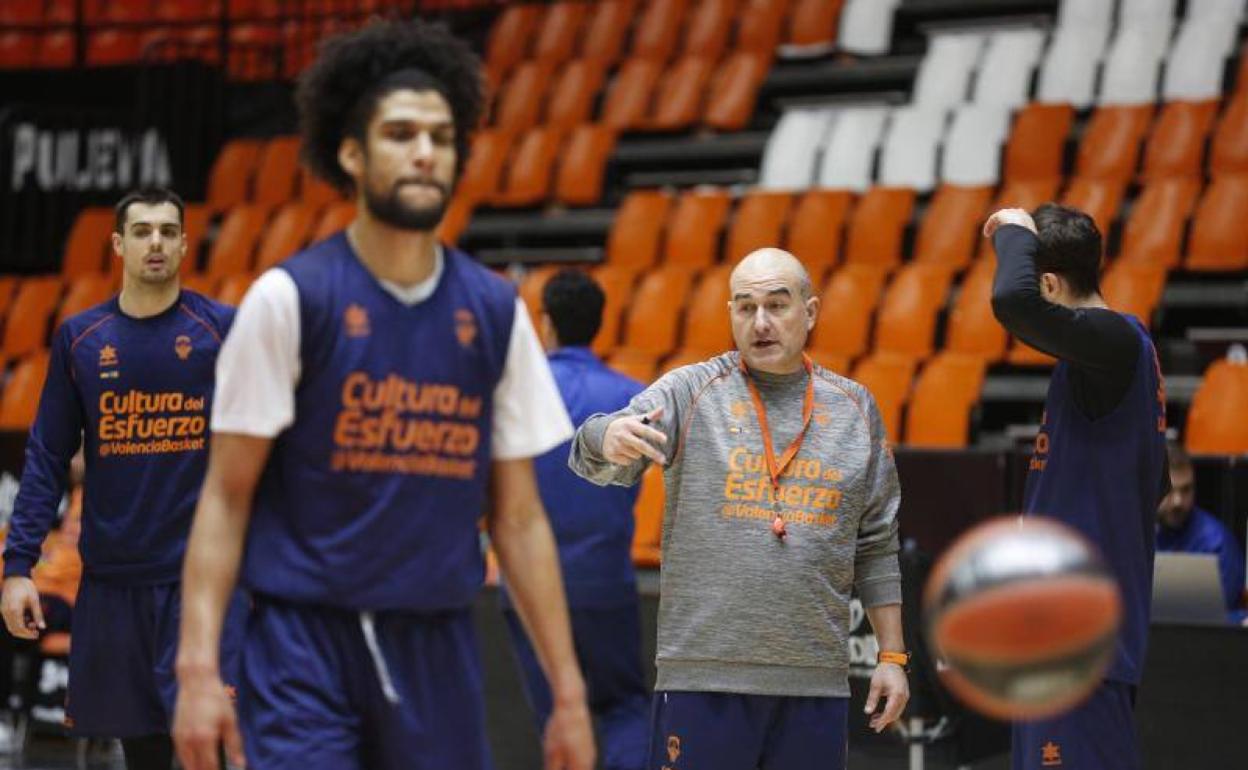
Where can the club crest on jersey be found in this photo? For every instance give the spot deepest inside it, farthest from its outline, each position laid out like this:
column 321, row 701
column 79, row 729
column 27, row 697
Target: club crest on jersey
column 1051, row 754
column 355, row 321
column 673, row 748
column 108, row 362
column 182, row 346
column 465, row 327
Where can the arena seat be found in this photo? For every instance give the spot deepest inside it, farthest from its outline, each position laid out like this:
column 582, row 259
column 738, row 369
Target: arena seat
column 559, row 31
column 816, row 228
column 583, row 165
column 20, row 401
column 634, row 240
column 945, row 393
column 694, row 227
column 89, row 241
column 1215, row 422
column 758, row 221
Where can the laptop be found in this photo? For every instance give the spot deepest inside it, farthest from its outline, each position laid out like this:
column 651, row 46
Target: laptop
column 1188, row 590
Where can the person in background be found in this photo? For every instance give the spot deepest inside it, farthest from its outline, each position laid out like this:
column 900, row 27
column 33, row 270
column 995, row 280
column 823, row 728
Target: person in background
column 593, row 528
column 1183, row 526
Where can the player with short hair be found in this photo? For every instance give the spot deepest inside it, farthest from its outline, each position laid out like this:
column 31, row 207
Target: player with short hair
column 130, row 380
column 380, row 394
column 1099, row 460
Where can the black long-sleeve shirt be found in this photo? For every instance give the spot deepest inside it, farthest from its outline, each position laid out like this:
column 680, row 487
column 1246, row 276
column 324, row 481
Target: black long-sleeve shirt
column 1099, row 344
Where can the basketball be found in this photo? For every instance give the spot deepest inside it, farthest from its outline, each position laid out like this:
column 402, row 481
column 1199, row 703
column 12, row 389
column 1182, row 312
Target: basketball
column 1022, row 615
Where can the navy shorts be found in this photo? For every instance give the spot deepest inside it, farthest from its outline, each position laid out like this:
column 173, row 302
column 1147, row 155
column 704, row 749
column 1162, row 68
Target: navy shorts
column 123, row 644
column 608, row 646
column 316, row 695
column 728, row 731
column 1098, row 734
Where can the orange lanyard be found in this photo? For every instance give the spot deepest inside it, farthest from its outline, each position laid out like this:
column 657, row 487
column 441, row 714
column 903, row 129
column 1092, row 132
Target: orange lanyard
column 774, row 467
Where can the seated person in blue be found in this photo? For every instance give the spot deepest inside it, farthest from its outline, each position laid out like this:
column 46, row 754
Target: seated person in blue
column 1184, row 527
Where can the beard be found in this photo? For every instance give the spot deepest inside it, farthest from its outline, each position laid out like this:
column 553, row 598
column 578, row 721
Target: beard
column 391, row 209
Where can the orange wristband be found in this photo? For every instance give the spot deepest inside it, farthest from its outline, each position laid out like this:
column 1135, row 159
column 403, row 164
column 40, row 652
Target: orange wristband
column 900, row 658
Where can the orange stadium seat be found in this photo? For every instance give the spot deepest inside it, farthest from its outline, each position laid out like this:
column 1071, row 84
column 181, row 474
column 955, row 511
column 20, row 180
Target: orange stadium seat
column 1229, row 152
column 195, row 219
column 758, row 30
column 200, row 283
column 1098, row 198
column 758, row 222
column 973, row 328
column 1022, row 354
column 887, row 376
column 1153, row 234
column 1215, row 422
column 560, row 29
column 679, row 95
column 229, row 181
column 845, row 310
column 694, row 227
column 877, row 225
column 286, row 234
column 21, row 394
column 60, row 11
column 57, row 49
column 484, row 168
column 951, row 225
column 1134, row 288
column 634, row 363
column 605, row 30
column 648, row 533
column 8, row 290
column 654, row 317
column 27, row 327
column 188, row 10
column 22, row 12
column 112, row 46
column 1037, row 142
column 906, row 322
column 1219, row 239
column 509, row 37
column 573, row 92
column 254, row 50
column 707, row 28
column 235, row 244
column 813, row 22
column 528, row 178
column 234, row 287
column 85, row 291
column 455, row 220
column 734, row 90
column 335, row 217
column 117, row 10
column 633, row 242
column 708, row 325
column 89, row 242
column 314, row 191
column 277, row 171
column 17, row 49
column 945, row 394
column 658, row 29
column 830, row 361
column 531, row 290
column 628, row 98
column 617, row 285
column 522, row 97
column 583, row 165
column 1177, row 144
column 816, row 227
column 1110, row 146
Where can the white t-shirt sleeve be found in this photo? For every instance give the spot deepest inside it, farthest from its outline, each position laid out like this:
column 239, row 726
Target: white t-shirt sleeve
column 258, row 366
column 529, row 416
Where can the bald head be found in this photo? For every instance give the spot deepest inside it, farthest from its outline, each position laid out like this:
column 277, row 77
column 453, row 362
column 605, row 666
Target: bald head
column 772, row 265
column 772, row 310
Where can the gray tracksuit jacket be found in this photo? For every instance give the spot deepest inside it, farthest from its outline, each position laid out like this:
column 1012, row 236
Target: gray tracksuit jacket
column 741, row 610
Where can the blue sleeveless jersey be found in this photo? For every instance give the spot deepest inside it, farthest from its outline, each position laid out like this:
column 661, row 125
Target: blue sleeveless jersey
column 371, row 499
column 1105, row 477
column 136, row 394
